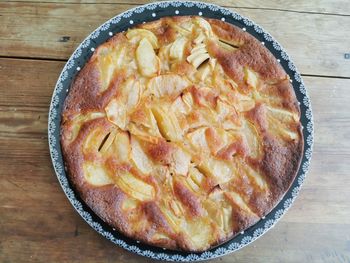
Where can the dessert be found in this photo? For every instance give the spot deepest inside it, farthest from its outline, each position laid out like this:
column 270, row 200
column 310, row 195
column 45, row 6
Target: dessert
column 181, row 132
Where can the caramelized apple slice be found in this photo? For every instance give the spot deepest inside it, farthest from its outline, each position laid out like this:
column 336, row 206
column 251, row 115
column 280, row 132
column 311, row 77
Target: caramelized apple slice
column 121, row 146
column 180, row 161
column 237, row 200
column 200, row 38
column 204, row 25
column 179, row 106
column 95, row 139
column 164, row 58
column 255, row 176
column 128, row 98
column 251, row 135
column 116, row 113
column 143, row 123
column 220, row 209
column 181, row 30
column 108, row 62
column 283, row 115
column 192, row 185
column 177, row 48
column 188, row 100
column 185, row 28
column 200, row 232
column 197, row 139
column 217, row 139
column 198, row 56
column 221, row 170
column 176, row 208
column 138, row 156
column 195, row 179
column 167, row 85
column 147, row 60
column 289, row 134
column 171, row 217
column 109, row 141
column 198, row 60
column 196, row 176
column 278, row 127
column 131, row 93
column 96, row 175
column 279, row 121
column 143, row 133
column 73, row 126
column 214, row 212
column 134, row 187
column 203, row 72
column 224, row 110
column 167, row 123
column 245, row 103
column 135, row 35
column 188, row 25
column 199, row 48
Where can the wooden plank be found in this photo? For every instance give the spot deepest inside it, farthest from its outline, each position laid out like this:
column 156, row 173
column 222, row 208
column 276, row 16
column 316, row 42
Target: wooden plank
column 54, row 30
column 323, row 6
column 37, row 223
column 26, row 83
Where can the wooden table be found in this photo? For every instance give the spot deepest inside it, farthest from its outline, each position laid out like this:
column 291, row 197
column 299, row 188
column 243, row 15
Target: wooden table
column 38, row 224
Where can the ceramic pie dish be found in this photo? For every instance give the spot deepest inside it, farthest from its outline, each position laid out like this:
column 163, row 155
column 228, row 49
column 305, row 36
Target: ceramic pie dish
column 202, row 189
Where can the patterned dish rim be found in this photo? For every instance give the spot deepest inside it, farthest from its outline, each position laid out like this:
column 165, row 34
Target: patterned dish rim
column 147, row 13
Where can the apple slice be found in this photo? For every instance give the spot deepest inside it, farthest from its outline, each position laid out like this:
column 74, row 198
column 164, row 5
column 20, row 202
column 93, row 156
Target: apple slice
column 198, row 55
column 133, row 186
column 135, row 35
column 167, row 85
column 96, row 175
column 221, row 170
column 117, row 113
column 204, row 25
column 177, row 48
column 180, row 161
column 138, row 156
column 147, row 60
column 167, row 122
column 109, row 61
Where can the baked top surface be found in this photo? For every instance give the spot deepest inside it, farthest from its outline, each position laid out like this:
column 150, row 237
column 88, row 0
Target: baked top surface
column 181, row 132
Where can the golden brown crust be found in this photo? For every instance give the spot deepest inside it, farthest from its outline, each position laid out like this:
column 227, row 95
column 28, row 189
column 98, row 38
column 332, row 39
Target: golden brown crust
column 280, row 164
column 188, row 198
column 249, row 54
column 182, row 132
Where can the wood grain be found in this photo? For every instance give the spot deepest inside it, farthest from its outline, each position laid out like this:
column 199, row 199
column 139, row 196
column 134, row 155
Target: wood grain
column 53, row 30
column 323, row 6
column 37, row 223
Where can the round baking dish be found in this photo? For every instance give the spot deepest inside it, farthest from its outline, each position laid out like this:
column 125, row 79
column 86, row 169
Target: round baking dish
column 147, row 13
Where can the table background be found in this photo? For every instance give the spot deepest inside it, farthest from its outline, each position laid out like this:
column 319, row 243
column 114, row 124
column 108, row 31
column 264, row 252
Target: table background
column 38, row 224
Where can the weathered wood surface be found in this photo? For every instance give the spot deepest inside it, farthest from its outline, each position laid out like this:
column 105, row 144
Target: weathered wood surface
column 316, row 42
column 321, row 6
column 37, row 223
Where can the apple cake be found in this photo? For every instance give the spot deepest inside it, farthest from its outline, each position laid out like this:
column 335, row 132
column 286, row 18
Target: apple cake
column 181, row 132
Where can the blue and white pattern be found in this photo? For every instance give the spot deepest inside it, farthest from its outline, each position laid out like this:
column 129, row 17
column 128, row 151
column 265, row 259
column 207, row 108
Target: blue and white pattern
column 137, row 15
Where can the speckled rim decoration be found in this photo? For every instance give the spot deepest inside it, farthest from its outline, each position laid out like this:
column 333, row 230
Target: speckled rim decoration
column 147, row 13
